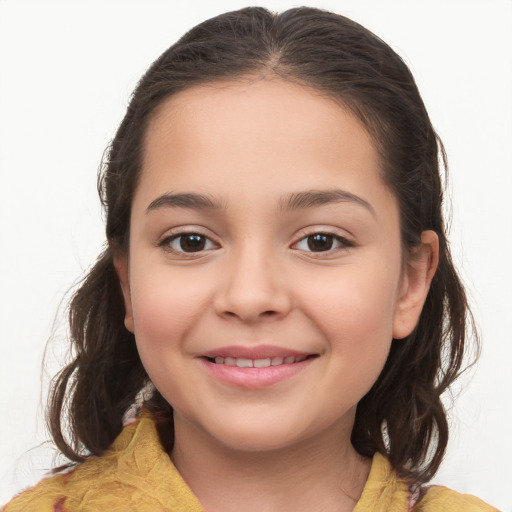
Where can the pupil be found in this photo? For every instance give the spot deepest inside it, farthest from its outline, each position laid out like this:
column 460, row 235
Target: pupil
column 320, row 242
column 192, row 243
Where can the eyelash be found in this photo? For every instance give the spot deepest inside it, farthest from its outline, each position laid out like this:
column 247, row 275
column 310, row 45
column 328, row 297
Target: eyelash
column 343, row 243
column 206, row 244
column 166, row 243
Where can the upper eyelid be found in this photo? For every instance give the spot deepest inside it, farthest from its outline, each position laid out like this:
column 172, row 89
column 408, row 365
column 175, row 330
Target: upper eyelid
column 347, row 241
column 314, row 230
column 179, row 235
column 175, row 236
column 164, row 244
column 164, row 241
column 304, row 232
column 186, row 230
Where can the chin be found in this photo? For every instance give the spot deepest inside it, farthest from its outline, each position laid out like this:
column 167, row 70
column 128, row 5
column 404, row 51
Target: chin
column 260, row 434
column 258, row 443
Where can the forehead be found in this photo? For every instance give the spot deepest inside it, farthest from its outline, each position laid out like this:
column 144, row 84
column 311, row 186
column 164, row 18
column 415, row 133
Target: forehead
column 269, row 101
column 265, row 129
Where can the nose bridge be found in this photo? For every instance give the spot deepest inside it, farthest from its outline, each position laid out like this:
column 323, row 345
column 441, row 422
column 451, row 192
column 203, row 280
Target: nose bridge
column 253, row 286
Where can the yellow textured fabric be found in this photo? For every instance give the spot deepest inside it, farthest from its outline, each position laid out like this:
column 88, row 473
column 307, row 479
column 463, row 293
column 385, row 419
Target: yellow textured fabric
column 136, row 475
column 442, row 499
column 385, row 492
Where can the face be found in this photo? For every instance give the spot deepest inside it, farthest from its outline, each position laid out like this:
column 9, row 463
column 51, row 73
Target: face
column 265, row 277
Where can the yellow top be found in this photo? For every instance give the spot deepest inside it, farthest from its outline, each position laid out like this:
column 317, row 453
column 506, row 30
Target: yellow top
column 137, row 475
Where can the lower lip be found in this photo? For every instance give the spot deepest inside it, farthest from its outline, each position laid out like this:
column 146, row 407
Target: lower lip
column 254, row 378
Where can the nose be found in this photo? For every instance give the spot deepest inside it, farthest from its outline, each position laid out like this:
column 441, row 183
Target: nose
column 253, row 288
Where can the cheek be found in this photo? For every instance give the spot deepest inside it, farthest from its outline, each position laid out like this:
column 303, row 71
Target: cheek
column 165, row 311
column 166, row 307
column 359, row 329
column 355, row 310
column 354, row 301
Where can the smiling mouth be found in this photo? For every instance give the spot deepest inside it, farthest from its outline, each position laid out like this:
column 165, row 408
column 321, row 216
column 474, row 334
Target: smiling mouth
column 242, row 362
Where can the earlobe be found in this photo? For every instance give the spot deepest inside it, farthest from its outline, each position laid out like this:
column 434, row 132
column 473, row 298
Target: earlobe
column 418, row 274
column 121, row 266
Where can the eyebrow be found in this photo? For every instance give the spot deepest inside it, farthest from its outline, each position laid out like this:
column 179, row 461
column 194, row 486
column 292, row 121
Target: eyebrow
column 295, row 201
column 312, row 198
column 186, row 200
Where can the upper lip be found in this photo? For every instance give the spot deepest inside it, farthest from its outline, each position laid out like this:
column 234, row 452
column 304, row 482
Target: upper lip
column 253, row 352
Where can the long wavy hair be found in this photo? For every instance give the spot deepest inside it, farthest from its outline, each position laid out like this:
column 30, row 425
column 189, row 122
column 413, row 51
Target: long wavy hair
column 402, row 416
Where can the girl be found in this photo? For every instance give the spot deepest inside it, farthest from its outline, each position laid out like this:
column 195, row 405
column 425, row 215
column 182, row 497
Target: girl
column 276, row 314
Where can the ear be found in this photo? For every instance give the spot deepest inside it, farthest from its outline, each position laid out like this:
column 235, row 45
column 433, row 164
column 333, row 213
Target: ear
column 121, row 266
column 416, row 279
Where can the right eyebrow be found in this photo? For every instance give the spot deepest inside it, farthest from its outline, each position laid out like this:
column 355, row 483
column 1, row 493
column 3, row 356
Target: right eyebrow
column 185, row 200
column 314, row 198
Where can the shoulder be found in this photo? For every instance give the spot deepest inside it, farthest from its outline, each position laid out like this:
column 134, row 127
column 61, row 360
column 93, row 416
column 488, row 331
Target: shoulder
column 46, row 496
column 385, row 491
column 134, row 474
column 441, row 499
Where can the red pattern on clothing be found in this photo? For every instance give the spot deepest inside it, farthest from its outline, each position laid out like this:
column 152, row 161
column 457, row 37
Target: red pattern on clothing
column 58, row 506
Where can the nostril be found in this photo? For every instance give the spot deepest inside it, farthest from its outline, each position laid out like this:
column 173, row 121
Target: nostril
column 251, row 305
column 263, row 314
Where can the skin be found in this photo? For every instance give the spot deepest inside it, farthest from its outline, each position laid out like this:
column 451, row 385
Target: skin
column 248, row 147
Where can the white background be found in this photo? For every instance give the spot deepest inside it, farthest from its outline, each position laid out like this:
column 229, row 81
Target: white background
column 66, row 71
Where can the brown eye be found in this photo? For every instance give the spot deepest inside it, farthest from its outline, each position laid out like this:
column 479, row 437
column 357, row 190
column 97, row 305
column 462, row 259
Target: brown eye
column 187, row 243
column 192, row 242
column 320, row 242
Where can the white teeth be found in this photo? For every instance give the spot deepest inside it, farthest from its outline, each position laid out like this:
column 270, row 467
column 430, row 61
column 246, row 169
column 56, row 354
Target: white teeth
column 244, row 363
column 258, row 363
column 262, row 363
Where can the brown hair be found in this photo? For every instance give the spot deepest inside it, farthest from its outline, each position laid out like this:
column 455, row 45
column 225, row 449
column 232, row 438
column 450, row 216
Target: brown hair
column 402, row 416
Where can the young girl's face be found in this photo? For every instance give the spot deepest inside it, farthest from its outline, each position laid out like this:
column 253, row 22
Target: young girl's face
column 265, row 276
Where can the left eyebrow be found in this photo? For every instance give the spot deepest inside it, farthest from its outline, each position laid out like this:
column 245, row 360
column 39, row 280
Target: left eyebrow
column 186, row 200
column 313, row 198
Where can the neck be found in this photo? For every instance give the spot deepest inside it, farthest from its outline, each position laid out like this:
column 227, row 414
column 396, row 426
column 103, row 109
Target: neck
column 322, row 473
